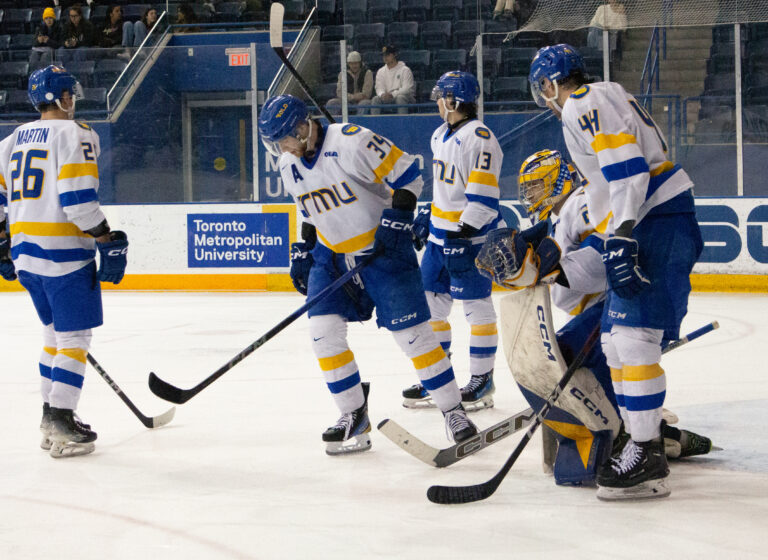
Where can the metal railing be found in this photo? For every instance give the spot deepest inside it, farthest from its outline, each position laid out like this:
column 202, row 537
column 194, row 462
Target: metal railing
column 656, row 47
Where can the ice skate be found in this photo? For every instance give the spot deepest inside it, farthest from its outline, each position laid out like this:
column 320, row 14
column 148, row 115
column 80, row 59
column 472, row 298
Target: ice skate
column 350, row 434
column 478, row 393
column 458, row 427
column 68, row 435
column 45, row 428
column 416, row 396
column 679, row 444
column 640, row 473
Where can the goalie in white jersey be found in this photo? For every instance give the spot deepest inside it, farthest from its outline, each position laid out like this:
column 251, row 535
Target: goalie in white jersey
column 645, row 204
column 357, row 192
column 466, row 164
column 554, row 197
column 49, row 181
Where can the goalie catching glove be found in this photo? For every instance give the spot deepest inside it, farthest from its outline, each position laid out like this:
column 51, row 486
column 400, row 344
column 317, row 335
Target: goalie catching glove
column 508, row 257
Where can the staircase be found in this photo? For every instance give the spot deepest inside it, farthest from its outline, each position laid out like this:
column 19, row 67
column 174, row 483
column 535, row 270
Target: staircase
column 682, row 73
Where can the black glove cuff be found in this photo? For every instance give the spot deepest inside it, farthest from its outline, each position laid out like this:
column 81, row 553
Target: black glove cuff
column 99, row 230
column 309, row 235
column 465, row 232
column 404, row 200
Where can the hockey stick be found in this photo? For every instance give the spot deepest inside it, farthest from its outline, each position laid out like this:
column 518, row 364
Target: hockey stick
column 166, row 391
column 148, row 421
column 276, row 13
column 477, row 492
column 465, row 494
column 445, row 457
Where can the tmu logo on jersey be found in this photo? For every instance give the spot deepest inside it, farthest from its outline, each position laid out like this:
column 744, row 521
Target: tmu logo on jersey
column 237, row 240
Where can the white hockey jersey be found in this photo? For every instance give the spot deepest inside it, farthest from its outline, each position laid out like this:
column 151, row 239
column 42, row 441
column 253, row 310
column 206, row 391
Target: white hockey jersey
column 581, row 260
column 465, row 167
column 50, row 180
column 617, row 146
column 343, row 191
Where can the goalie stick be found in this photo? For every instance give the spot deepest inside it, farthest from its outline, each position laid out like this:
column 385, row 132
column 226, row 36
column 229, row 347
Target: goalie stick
column 166, row 391
column 446, row 457
column 276, row 13
column 148, row 421
column 465, row 494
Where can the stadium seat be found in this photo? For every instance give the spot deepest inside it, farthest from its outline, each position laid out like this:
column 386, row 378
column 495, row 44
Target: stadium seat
column 403, row 34
column 107, row 72
column 444, row 60
column 417, row 61
column 5, row 42
column 491, row 62
column 83, row 71
column 446, row 9
column 330, row 60
column 497, row 31
column 373, row 60
column 13, row 75
column 470, row 9
column 133, row 12
column 382, row 10
column 18, row 20
column 720, row 129
column 517, row 61
column 720, row 83
column 414, row 10
column 294, row 9
column 369, row 36
column 99, row 14
column 229, row 11
column 435, row 34
column 326, row 12
column 94, row 99
column 338, row 32
column 354, row 11
column 17, row 101
column 325, row 92
column 424, row 91
column 465, row 32
column 511, row 89
column 21, row 45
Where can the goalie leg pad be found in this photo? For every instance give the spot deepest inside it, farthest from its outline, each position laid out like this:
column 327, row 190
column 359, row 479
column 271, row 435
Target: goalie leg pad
column 578, row 459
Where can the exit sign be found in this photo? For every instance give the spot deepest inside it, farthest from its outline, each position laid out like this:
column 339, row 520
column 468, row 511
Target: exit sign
column 239, row 57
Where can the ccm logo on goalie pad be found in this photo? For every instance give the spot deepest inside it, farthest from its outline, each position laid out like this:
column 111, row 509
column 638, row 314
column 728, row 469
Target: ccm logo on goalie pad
column 480, row 441
column 401, row 226
column 117, row 252
column 544, row 332
column 592, row 407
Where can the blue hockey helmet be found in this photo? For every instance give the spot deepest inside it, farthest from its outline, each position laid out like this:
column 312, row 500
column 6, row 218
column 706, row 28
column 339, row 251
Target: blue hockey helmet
column 47, row 85
column 554, row 63
column 280, row 117
column 462, row 86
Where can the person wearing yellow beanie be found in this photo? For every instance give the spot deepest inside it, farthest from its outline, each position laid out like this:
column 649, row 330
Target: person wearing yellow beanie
column 46, row 39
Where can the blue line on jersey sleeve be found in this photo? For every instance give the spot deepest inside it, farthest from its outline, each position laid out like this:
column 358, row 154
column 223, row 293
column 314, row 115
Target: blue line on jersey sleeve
column 78, row 197
column 54, row 255
column 488, row 201
column 3, row 200
column 656, row 182
column 408, row 176
column 624, row 169
column 593, row 241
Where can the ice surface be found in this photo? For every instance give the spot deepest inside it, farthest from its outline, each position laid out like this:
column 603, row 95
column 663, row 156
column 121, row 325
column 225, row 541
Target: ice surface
column 241, row 471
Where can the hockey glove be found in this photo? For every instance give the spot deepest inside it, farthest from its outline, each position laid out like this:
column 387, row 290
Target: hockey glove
column 458, row 259
column 394, row 237
column 625, row 277
column 421, row 228
column 301, row 264
column 114, row 257
column 7, row 269
column 510, row 261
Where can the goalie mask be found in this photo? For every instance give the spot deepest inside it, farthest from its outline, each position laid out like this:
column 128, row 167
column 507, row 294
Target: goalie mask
column 544, row 180
column 280, row 123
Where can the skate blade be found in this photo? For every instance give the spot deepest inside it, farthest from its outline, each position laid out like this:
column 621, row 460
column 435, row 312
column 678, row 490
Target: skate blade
column 480, row 404
column 419, row 403
column 648, row 490
column 63, row 450
column 356, row 444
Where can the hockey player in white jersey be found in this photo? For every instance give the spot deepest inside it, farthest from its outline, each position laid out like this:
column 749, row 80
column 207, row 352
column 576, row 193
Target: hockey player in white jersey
column 551, row 192
column 466, row 164
column 49, row 181
column 357, row 192
column 644, row 202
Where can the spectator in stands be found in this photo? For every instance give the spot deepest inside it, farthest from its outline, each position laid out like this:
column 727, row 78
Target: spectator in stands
column 184, row 16
column 359, row 84
column 46, row 38
column 611, row 16
column 134, row 33
column 112, row 32
column 76, row 36
column 520, row 10
column 505, row 9
column 394, row 82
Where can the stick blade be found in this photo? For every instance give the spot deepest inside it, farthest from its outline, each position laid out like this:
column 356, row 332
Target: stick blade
column 459, row 494
column 276, row 13
column 166, row 391
column 164, row 418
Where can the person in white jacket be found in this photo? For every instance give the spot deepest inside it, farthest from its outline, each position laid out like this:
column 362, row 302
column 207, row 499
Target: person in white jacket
column 394, row 82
